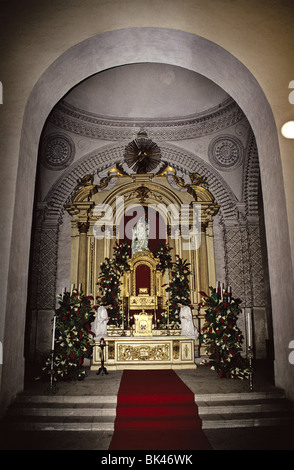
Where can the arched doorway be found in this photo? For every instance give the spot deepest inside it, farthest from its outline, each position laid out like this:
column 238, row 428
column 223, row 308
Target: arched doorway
column 193, row 53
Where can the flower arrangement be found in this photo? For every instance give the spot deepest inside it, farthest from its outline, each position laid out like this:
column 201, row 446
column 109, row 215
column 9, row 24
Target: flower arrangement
column 73, row 336
column 179, row 289
column 221, row 335
column 163, row 254
column 111, row 271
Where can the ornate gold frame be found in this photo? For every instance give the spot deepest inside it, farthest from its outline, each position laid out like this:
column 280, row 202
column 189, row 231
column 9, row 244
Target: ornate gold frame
column 143, row 258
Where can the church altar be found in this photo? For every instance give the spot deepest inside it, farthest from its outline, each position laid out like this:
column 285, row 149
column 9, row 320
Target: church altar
column 165, row 220
column 145, row 349
column 148, row 352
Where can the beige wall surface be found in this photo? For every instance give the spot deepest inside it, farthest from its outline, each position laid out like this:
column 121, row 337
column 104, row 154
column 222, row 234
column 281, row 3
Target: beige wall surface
column 35, row 33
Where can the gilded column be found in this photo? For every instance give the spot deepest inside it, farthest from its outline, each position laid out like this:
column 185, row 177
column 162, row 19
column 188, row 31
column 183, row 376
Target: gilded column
column 203, row 260
column 210, row 254
column 83, row 253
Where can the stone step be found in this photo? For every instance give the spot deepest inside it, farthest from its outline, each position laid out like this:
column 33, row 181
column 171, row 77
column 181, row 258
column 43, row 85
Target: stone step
column 97, row 413
column 62, row 409
column 96, row 399
column 63, row 399
column 241, row 420
column 40, row 408
column 60, row 423
column 239, row 396
column 242, row 406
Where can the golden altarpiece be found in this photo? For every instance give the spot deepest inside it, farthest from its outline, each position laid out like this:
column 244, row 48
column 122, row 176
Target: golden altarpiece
column 98, row 212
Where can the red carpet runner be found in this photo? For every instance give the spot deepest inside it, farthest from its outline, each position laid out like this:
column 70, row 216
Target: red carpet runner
column 156, row 411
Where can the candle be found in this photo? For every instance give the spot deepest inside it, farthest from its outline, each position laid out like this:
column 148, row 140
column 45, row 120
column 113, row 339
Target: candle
column 80, row 288
column 249, row 327
column 53, row 332
column 72, row 287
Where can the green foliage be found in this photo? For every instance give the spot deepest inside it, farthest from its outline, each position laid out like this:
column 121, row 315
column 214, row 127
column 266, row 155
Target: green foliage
column 73, row 337
column 179, row 288
column 222, row 337
column 162, row 253
column 111, row 271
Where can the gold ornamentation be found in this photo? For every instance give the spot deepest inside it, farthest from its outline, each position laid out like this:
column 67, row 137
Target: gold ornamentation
column 176, row 349
column 143, row 324
column 186, row 351
column 83, row 189
column 143, row 257
column 85, row 181
column 158, row 352
column 142, row 301
column 111, row 350
column 142, row 193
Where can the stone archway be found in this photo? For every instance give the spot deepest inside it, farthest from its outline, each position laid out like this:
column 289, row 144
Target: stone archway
column 173, row 47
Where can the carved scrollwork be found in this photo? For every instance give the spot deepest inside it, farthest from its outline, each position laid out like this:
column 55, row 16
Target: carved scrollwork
column 159, row 352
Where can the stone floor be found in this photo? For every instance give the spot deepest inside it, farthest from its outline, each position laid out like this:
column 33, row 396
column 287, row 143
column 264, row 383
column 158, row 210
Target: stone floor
column 201, row 381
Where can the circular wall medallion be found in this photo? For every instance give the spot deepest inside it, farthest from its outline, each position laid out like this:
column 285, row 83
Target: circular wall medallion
column 58, row 151
column 225, row 153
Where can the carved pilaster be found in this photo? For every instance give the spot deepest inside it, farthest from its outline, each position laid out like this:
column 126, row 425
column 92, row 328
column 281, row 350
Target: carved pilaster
column 203, row 261
column 83, row 254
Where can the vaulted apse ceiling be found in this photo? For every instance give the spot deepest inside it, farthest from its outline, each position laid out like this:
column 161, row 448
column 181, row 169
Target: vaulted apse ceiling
column 146, row 90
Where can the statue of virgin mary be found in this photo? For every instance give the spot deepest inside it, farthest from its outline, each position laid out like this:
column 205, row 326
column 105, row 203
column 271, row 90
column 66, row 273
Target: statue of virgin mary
column 140, row 233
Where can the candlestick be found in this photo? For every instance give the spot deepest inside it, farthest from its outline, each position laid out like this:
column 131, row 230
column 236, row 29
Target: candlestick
column 250, row 353
column 123, row 321
column 53, row 332
column 249, row 327
column 129, row 310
